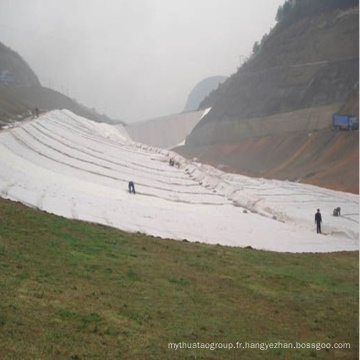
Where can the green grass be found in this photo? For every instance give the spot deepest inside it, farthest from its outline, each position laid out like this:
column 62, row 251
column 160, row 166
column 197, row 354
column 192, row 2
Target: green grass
column 73, row 290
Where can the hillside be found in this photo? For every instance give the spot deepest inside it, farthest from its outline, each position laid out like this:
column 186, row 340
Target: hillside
column 13, row 68
column 76, row 290
column 301, row 74
column 21, row 92
column 18, row 101
column 70, row 166
column 201, row 91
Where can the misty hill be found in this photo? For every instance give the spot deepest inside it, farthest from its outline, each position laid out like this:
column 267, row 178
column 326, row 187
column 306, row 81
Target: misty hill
column 13, row 69
column 273, row 118
column 21, row 92
column 201, row 91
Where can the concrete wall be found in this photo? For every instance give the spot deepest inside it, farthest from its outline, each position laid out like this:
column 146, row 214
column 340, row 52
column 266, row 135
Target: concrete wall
column 230, row 131
column 165, row 132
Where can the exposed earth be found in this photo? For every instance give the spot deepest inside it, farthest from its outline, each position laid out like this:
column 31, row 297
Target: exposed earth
column 274, row 117
column 325, row 158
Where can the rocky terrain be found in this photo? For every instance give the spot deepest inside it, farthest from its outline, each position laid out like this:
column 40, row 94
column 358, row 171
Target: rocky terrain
column 273, row 118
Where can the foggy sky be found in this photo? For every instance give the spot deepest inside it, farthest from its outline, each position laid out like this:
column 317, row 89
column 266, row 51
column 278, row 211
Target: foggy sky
column 133, row 59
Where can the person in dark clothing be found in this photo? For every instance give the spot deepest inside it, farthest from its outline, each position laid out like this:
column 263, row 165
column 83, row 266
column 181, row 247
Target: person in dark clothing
column 318, row 221
column 131, row 187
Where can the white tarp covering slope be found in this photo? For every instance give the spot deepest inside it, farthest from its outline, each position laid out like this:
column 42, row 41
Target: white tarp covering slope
column 70, row 166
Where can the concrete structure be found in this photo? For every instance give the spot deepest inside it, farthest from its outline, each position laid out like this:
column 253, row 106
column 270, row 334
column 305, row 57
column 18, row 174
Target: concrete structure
column 165, row 132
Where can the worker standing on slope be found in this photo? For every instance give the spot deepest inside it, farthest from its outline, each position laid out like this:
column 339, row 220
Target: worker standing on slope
column 318, row 221
column 131, row 187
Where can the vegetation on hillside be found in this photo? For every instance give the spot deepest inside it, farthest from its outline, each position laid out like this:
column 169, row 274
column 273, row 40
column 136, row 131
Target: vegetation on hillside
column 292, row 41
column 302, row 36
column 21, row 92
column 293, row 10
column 13, row 64
column 73, row 290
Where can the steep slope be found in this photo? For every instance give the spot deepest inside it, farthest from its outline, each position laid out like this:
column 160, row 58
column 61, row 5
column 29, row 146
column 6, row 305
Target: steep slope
column 201, row 91
column 325, row 158
column 14, row 69
column 21, row 92
column 17, row 102
column 76, row 168
column 302, row 74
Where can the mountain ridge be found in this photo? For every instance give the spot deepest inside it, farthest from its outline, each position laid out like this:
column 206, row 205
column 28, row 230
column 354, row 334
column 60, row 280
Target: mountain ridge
column 201, row 90
column 300, row 75
column 21, row 91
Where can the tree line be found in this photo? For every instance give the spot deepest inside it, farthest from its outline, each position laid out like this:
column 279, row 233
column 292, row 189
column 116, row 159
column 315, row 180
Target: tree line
column 293, row 10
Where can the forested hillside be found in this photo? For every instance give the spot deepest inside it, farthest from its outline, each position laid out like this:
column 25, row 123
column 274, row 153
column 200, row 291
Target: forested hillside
column 299, row 75
column 13, row 68
column 21, row 92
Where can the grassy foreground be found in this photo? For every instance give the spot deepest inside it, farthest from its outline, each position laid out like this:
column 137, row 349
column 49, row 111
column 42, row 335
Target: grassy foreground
column 72, row 290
